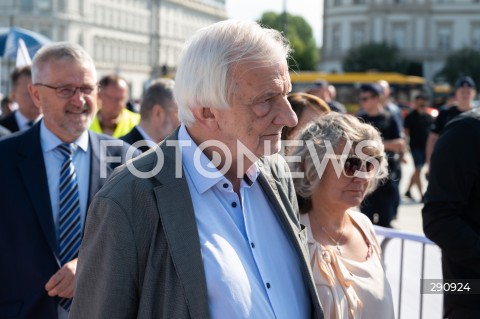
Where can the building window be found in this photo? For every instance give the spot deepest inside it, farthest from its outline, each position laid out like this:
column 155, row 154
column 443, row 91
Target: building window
column 399, row 1
column 337, row 3
column 358, row 34
column 46, row 31
column 336, row 38
column 399, row 36
column 358, row 1
column 61, row 5
column 444, row 37
column 476, row 37
column 26, row 5
column 43, row 5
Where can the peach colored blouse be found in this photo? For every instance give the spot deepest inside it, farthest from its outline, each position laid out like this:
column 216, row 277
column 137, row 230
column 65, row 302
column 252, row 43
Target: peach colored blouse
column 348, row 288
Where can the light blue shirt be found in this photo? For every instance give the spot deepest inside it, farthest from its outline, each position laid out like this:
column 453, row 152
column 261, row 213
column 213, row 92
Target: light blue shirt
column 53, row 163
column 251, row 267
column 22, row 121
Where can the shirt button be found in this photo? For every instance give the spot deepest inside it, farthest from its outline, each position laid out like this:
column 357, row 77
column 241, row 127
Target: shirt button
column 234, row 204
column 253, row 245
column 225, row 185
column 268, row 285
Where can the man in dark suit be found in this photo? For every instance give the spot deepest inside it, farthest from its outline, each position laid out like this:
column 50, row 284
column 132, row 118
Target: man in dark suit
column 210, row 229
column 159, row 115
column 4, row 131
column 27, row 113
column 48, row 176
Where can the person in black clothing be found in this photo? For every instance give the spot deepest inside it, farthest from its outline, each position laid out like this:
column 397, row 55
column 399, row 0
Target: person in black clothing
column 384, row 201
column 465, row 93
column 159, row 115
column 321, row 89
column 451, row 215
column 27, row 113
column 417, row 126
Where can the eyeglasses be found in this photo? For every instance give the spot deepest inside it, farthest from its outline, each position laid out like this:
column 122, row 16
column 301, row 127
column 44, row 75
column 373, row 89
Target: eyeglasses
column 354, row 164
column 67, row 92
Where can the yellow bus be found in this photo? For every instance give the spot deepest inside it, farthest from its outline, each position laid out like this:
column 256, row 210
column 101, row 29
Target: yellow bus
column 404, row 87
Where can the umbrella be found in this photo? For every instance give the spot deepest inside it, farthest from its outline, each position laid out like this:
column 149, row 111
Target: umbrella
column 9, row 38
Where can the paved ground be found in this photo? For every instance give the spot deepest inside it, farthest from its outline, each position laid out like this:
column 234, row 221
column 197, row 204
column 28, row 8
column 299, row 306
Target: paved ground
column 409, row 216
column 409, row 220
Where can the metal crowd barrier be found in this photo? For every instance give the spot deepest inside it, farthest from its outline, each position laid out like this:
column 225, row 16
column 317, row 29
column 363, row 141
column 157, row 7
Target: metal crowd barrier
column 385, row 237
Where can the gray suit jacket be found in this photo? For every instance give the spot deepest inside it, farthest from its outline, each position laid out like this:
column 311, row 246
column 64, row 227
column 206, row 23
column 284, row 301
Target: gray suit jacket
column 141, row 255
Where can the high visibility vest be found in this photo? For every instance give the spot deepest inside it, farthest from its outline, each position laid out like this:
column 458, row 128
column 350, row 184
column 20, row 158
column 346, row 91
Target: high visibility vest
column 127, row 122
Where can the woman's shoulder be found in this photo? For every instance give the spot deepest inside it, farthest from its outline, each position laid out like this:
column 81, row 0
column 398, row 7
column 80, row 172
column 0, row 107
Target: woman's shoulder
column 361, row 219
column 364, row 223
column 367, row 227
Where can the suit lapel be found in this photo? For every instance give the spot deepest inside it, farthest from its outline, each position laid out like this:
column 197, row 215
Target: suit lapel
column 180, row 227
column 32, row 169
column 269, row 186
column 136, row 135
column 95, row 181
column 10, row 122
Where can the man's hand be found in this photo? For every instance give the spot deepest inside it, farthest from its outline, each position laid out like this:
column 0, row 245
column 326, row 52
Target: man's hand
column 62, row 282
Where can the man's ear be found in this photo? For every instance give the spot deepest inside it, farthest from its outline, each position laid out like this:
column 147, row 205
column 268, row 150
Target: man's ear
column 35, row 95
column 158, row 113
column 206, row 118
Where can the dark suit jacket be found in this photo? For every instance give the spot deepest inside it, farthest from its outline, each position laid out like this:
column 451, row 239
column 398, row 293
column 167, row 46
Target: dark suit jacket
column 28, row 246
column 134, row 136
column 141, row 255
column 10, row 123
column 4, row 131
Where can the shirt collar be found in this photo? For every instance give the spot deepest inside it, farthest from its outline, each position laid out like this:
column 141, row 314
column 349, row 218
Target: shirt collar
column 251, row 175
column 50, row 141
column 203, row 173
column 144, row 134
column 22, row 120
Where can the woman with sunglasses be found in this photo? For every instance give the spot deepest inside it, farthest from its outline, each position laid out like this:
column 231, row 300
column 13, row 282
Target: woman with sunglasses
column 342, row 160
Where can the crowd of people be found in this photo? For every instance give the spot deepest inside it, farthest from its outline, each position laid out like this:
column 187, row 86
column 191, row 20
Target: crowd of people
column 192, row 208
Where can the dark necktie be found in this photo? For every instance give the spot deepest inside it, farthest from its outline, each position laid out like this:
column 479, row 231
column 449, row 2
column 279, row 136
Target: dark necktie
column 70, row 229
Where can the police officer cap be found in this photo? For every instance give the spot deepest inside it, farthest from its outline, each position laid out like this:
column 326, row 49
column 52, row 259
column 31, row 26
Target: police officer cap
column 465, row 81
column 373, row 88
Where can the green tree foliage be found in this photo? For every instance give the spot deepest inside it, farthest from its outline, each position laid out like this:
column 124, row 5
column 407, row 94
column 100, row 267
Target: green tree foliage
column 462, row 62
column 300, row 35
column 380, row 57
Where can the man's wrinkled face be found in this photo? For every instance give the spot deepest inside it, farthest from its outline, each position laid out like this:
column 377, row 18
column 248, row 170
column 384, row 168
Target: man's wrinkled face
column 259, row 109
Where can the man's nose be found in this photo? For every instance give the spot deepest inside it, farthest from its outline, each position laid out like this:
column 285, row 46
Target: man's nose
column 78, row 98
column 286, row 116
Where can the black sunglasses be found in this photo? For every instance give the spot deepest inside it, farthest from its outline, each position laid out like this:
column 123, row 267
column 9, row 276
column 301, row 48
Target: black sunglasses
column 354, row 164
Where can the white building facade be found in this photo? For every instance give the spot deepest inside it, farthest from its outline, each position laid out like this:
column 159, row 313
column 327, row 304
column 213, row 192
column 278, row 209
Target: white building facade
column 426, row 31
column 137, row 39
